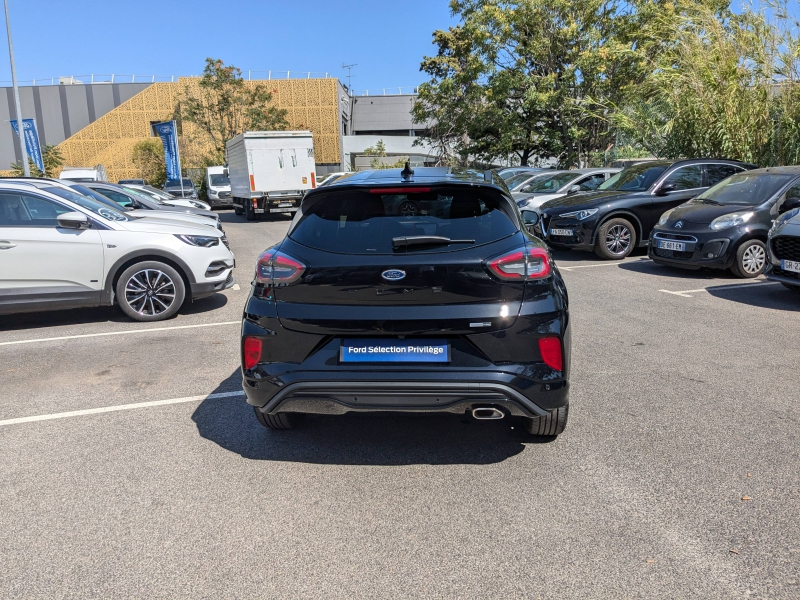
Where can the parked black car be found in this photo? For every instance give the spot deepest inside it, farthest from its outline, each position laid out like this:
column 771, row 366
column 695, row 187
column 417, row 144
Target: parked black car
column 362, row 308
column 622, row 212
column 186, row 189
column 726, row 226
column 783, row 247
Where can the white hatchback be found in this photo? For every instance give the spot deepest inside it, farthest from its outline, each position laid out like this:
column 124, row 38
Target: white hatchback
column 57, row 253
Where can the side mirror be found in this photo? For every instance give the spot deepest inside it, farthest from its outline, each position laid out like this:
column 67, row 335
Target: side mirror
column 225, row 172
column 73, row 220
column 790, row 204
column 668, row 187
column 530, row 217
column 574, row 190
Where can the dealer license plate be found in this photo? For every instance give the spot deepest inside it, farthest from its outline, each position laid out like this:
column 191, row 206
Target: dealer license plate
column 791, row 265
column 564, row 232
column 283, row 209
column 679, row 246
column 394, row 351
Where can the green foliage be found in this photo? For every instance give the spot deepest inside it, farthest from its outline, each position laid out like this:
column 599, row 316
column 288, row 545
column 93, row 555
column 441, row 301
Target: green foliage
column 148, row 157
column 53, row 161
column 223, row 105
column 379, row 151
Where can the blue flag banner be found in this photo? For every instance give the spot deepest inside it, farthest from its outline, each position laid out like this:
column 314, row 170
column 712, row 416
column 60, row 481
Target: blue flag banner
column 31, row 141
column 168, row 133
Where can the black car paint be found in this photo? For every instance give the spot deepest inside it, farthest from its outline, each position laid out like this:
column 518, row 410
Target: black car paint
column 301, row 326
column 642, row 208
column 706, row 248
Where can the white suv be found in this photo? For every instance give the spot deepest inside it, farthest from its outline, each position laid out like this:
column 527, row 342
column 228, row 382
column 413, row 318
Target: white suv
column 66, row 253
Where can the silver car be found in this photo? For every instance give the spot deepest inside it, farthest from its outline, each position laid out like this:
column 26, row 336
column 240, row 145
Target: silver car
column 537, row 191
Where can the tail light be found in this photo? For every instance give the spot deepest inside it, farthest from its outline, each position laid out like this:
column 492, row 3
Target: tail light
column 252, row 352
column 275, row 268
column 550, row 349
column 521, row 265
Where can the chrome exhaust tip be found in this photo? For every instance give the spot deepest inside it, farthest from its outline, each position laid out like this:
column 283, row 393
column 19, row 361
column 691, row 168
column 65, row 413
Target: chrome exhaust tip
column 487, row 412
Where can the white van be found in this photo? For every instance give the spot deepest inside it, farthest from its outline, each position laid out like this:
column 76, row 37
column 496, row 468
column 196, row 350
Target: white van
column 218, row 187
column 96, row 173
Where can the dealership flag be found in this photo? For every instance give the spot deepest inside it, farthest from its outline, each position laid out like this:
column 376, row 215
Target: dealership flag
column 31, row 140
column 168, row 133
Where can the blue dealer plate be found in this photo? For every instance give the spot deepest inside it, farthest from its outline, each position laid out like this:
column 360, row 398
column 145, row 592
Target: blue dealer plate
column 394, row 351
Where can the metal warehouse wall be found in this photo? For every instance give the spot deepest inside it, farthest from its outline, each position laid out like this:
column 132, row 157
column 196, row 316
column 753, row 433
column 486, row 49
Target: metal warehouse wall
column 383, row 113
column 60, row 111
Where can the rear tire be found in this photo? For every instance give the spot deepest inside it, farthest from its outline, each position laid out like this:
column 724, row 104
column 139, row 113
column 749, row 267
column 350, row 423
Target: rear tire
column 616, row 239
column 548, row 426
column 751, row 259
column 279, row 421
column 250, row 213
column 238, row 210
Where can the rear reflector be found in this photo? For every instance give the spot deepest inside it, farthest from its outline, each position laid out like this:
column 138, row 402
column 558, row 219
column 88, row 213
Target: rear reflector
column 252, row 352
column 550, row 349
column 252, row 183
column 403, row 190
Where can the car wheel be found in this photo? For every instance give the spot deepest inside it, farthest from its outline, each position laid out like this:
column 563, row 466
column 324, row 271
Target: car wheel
column 548, row 426
column 616, row 239
column 238, row 210
column 751, row 259
column 150, row 291
column 249, row 211
column 279, row 421
column 789, row 286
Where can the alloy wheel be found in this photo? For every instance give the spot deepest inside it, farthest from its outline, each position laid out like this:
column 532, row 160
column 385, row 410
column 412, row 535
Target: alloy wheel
column 753, row 259
column 618, row 239
column 150, row 292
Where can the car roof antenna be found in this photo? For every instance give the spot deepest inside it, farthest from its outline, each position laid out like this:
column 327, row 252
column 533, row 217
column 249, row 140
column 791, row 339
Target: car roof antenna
column 408, row 172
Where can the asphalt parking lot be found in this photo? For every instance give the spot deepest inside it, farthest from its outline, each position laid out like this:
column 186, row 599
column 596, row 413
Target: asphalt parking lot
column 678, row 475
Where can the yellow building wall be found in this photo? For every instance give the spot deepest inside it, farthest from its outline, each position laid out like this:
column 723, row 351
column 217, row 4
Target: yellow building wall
column 311, row 104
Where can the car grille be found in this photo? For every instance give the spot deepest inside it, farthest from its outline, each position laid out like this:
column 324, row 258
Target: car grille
column 673, row 254
column 786, row 247
column 561, row 238
column 675, row 236
column 224, row 194
column 782, row 273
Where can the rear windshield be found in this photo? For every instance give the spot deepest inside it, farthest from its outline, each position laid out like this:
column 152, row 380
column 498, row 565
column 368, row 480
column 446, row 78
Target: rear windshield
column 745, row 189
column 359, row 222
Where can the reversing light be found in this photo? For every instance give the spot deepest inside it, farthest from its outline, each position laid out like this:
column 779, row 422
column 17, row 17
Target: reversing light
column 252, row 352
column 521, row 265
column 550, row 349
column 275, row 268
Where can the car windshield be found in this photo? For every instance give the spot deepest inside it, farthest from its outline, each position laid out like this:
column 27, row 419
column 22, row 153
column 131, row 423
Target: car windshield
column 551, row 183
column 636, row 178
column 361, row 222
column 220, row 180
column 146, row 194
column 187, row 183
column 745, row 189
column 519, row 179
column 98, row 208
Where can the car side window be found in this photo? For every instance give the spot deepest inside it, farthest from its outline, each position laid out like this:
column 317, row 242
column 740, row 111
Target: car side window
column 686, row 178
column 120, row 199
column 592, row 182
column 792, row 192
column 717, row 173
column 22, row 210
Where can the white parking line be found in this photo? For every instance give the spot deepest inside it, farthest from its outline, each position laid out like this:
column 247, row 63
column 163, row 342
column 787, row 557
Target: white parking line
column 605, row 264
column 107, row 409
column 685, row 293
column 131, row 331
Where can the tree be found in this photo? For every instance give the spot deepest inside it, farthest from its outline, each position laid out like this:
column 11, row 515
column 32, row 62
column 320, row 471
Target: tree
column 221, row 105
column 53, row 161
column 379, row 151
column 148, row 157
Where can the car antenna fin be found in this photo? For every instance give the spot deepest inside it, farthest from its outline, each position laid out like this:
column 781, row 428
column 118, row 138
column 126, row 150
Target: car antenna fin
column 407, row 173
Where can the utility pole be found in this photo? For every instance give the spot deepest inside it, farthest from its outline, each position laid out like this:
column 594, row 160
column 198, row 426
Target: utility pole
column 26, row 170
column 349, row 76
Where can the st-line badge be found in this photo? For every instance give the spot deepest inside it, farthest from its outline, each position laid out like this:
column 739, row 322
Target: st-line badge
column 393, row 275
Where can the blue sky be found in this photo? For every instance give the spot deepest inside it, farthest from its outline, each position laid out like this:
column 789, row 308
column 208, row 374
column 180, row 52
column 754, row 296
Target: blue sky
column 386, row 38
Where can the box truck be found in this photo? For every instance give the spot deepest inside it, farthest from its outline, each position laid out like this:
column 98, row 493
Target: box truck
column 270, row 171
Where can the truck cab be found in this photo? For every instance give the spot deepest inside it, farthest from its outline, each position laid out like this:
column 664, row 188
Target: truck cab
column 218, row 187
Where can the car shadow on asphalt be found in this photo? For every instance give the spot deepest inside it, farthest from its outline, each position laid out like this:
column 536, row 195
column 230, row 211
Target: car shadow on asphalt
column 102, row 314
column 359, row 438
column 232, row 217
column 775, row 296
column 645, row 265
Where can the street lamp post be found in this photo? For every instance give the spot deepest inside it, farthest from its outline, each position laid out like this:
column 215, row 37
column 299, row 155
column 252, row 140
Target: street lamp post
column 25, row 167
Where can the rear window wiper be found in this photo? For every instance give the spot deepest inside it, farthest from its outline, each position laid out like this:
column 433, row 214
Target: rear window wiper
column 425, row 240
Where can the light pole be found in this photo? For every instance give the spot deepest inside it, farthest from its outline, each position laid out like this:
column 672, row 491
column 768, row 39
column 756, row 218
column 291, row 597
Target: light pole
column 26, row 170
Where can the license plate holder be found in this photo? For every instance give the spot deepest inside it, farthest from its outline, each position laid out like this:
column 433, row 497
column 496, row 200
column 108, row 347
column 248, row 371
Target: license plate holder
column 791, row 265
column 676, row 246
column 561, row 232
column 394, row 351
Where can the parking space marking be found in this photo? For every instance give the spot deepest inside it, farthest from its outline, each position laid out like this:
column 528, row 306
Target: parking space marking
column 108, row 409
column 685, row 293
column 605, row 264
column 88, row 335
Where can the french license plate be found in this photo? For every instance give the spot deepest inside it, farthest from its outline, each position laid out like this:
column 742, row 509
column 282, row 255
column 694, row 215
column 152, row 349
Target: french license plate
column 791, row 265
column 259, row 210
column 394, row 351
column 283, row 209
column 679, row 246
column 564, row 232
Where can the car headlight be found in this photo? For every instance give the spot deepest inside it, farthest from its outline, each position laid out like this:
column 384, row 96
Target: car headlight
column 665, row 217
column 199, row 240
column 580, row 214
column 730, row 220
column 196, row 204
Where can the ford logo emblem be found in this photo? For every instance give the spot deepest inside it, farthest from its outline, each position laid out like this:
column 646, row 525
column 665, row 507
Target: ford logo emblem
column 393, row 275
